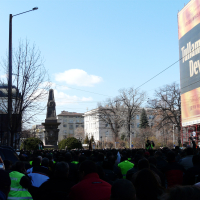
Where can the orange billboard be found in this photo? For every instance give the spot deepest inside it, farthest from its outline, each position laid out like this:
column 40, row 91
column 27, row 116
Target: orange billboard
column 188, row 17
column 189, row 53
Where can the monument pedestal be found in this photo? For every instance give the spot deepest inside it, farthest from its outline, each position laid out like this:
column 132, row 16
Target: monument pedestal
column 51, row 132
column 51, row 124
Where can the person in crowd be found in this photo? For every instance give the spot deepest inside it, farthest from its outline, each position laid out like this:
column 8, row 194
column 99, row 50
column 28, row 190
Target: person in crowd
column 191, row 175
column 40, row 174
column 149, row 145
column 153, row 163
column 173, row 171
column 116, row 169
column 20, row 183
column 123, row 189
column 147, row 186
column 8, row 165
column 182, row 193
column 187, row 161
column 161, row 162
column 108, row 170
column 5, row 183
column 36, row 163
column 58, row 186
column 91, row 186
column 125, row 165
column 73, row 169
column 144, row 164
column 132, row 171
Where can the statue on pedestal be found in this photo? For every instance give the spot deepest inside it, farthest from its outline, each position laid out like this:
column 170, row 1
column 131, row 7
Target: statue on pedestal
column 51, row 124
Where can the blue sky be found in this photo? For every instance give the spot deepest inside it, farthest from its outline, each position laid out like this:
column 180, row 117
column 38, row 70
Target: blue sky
column 99, row 46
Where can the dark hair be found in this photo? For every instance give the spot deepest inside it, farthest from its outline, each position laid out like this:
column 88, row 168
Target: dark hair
column 107, row 165
column 5, row 182
column 158, row 153
column 19, row 167
column 45, row 162
column 182, row 193
column 152, row 160
column 143, row 163
column 171, row 156
column 123, row 189
column 189, row 151
column 7, row 164
column 68, row 157
column 61, row 170
column 196, row 160
column 147, row 186
column 100, row 157
column 88, row 167
column 36, row 162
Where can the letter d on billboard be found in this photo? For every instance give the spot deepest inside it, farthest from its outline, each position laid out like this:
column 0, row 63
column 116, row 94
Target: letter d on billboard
column 189, row 53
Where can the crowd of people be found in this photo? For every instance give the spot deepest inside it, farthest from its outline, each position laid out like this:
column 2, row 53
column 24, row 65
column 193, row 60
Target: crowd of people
column 113, row 174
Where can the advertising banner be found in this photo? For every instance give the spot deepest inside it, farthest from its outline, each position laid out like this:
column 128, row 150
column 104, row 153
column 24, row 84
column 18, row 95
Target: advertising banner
column 189, row 53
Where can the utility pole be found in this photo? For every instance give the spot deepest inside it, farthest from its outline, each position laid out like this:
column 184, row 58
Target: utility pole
column 10, row 76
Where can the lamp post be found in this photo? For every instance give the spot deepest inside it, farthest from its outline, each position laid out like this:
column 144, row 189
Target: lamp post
column 10, row 75
column 173, row 133
column 101, row 142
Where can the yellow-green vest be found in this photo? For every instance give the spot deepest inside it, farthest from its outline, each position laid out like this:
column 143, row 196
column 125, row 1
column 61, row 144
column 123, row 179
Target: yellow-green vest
column 17, row 192
column 125, row 166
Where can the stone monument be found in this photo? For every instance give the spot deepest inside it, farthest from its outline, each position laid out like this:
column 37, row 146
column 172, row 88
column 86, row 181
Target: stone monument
column 51, row 124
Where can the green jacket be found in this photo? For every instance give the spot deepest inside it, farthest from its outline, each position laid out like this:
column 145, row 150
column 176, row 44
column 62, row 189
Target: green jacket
column 125, row 166
column 17, row 192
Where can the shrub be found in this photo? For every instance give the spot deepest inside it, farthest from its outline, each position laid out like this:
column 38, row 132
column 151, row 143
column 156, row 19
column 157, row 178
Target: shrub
column 31, row 144
column 70, row 142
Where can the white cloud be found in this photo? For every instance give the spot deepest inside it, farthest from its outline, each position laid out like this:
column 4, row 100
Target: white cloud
column 64, row 99
column 78, row 77
column 53, row 86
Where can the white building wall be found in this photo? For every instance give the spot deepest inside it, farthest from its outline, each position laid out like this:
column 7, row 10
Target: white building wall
column 96, row 127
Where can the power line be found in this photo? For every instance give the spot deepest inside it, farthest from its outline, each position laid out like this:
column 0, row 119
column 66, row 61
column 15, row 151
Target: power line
column 164, row 69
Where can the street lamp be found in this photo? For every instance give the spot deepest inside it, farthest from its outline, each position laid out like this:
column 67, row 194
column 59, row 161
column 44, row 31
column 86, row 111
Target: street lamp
column 10, row 74
column 173, row 133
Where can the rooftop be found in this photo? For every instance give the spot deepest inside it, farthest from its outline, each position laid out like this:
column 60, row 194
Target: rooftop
column 66, row 113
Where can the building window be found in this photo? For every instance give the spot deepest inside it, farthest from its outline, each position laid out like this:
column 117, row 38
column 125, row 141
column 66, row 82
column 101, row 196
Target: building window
column 65, row 120
column 106, row 125
column 64, row 125
column 138, row 117
column 132, row 125
column 138, row 125
column 77, row 120
column 77, row 126
column 70, row 131
column 71, row 126
column 82, row 126
column 71, row 121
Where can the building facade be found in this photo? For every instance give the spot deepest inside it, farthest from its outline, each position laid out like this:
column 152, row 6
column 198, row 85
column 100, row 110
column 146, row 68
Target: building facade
column 94, row 126
column 69, row 122
column 101, row 131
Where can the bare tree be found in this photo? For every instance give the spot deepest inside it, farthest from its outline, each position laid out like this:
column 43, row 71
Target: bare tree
column 167, row 104
column 131, row 100
column 31, row 82
column 143, row 135
column 110, row 113
column 79, row 133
